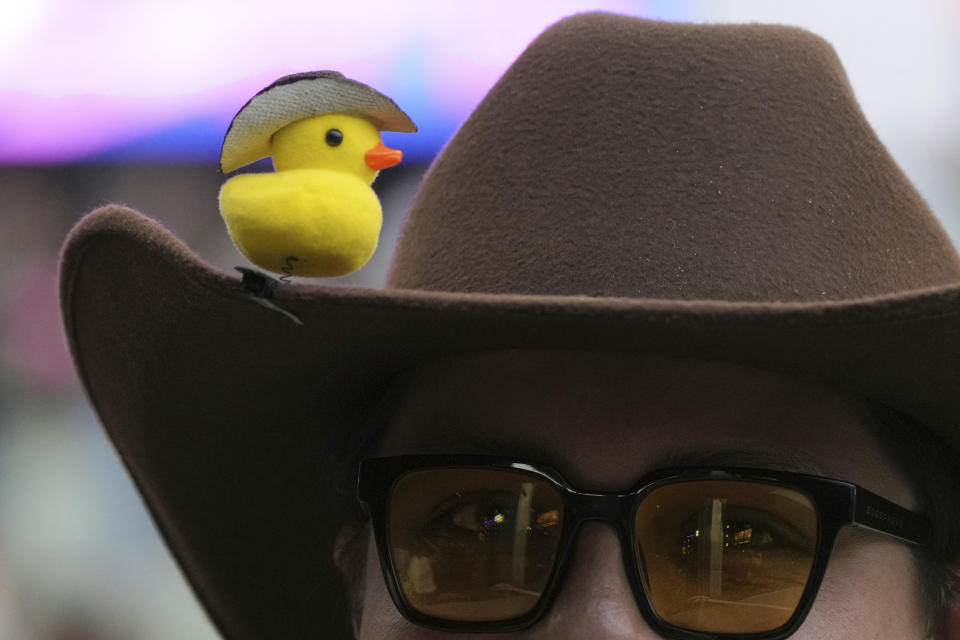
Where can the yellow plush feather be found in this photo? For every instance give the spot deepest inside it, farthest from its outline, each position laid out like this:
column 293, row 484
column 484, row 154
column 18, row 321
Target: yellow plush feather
column 303, row 222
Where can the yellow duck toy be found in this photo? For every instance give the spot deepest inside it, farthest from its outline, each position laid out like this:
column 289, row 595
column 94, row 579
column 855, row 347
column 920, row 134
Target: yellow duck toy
column 316, row 215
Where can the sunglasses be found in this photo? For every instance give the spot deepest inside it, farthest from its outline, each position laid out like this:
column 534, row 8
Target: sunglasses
column 479, row 544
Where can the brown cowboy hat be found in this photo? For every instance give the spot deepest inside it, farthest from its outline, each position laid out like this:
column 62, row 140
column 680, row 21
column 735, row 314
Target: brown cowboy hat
column 681, row 190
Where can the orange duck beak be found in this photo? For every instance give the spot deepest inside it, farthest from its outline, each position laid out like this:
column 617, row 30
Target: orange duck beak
column 382, row 156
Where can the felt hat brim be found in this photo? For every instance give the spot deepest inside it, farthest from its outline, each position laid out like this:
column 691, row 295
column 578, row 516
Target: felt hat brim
column 222, row 410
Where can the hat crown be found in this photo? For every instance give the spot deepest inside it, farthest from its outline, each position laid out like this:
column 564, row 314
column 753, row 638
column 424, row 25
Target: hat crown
column 628, row 158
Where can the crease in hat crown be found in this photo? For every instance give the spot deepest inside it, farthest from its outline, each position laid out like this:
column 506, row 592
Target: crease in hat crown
column 298, row 96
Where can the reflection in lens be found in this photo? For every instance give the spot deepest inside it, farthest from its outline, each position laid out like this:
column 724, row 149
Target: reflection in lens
column 473, row 544
column 726, row 556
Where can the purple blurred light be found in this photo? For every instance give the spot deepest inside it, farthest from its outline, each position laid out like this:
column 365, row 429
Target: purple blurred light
column 151, row 80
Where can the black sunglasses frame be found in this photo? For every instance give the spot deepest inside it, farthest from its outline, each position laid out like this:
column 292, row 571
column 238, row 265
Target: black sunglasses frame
column 838, row 504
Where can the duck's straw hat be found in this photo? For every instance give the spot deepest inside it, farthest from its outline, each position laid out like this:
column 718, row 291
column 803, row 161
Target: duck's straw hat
column 299, row 96
column 693, row 191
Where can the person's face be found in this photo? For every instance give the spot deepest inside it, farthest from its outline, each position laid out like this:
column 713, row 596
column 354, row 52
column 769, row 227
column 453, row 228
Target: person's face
column 604, row 421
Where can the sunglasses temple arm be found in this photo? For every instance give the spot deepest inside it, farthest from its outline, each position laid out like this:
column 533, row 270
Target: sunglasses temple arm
column 880, row 515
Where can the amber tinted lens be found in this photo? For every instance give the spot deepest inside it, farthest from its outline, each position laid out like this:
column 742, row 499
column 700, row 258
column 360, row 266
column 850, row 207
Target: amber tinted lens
column 726, row 556
column 473, row 544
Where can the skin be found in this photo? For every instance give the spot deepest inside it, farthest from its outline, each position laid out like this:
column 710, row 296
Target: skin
column 606, row 420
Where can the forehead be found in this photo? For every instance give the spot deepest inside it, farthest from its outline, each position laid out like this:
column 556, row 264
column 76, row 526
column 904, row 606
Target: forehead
column 606, row 419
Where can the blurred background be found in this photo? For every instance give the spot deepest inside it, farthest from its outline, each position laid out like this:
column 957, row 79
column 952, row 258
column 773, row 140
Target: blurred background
column 127, row 101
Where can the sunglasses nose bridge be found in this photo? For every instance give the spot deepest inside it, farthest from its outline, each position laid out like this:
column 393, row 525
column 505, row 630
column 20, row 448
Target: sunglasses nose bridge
column 596, row 506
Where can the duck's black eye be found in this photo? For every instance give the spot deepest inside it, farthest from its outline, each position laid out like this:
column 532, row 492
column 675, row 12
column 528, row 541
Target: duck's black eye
column 334, row 137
